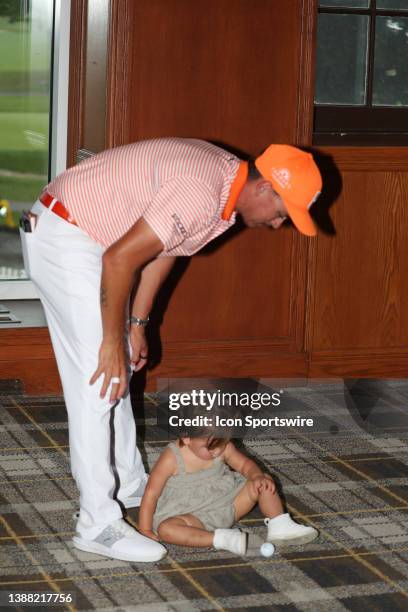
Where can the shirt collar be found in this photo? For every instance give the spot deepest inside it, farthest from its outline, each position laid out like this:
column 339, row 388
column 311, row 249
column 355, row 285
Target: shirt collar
column 236, row 188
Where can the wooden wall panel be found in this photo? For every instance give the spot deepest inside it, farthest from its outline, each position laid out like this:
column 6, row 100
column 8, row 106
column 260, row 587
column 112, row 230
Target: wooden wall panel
column 242, row 291
column 370, row 254
column 27, row 355
column 226, row 71
column 76, row 79
column 88, row 80
column 222, row 70
column 236, row 72
column 358, row 317
column 95, row 75
column 240, row 73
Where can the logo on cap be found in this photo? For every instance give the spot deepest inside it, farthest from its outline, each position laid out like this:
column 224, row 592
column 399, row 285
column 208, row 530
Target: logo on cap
column 282, row 177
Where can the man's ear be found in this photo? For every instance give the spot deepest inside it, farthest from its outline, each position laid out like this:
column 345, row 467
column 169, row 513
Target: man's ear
column 263, row 186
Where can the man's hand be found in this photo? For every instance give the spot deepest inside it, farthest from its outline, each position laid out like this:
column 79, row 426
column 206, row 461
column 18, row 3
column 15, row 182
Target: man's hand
column 139, row 347
column 112, row 365
column 260, row 483
column 120, row 263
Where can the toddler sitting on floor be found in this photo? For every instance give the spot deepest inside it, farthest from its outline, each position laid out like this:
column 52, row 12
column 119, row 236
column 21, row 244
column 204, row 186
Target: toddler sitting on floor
column 193, row 498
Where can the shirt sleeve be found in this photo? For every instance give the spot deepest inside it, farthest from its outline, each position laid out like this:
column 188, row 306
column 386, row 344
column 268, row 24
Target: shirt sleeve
column 182, row 207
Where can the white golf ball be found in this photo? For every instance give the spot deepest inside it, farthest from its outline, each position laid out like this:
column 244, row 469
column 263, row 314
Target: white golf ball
column 267, row 549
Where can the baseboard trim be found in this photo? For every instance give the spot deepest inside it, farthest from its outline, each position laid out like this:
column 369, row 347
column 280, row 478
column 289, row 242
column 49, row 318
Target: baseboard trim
column 27, row 356
column 230, row 364
column 375, row 364
column 38, row 377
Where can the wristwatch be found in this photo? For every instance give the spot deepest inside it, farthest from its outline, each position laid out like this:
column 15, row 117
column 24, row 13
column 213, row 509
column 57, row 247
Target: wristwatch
column 139, row 322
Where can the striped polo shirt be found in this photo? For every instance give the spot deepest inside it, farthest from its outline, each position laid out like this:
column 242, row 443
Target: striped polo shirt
column 179, row 186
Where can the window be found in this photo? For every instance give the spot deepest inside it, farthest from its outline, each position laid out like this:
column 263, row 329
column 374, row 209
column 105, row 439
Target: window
column 33, row 110
column 361, row 94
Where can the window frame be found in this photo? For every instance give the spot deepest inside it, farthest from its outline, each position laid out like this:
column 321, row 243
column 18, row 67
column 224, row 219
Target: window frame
column 24, row 289
column 346, row 124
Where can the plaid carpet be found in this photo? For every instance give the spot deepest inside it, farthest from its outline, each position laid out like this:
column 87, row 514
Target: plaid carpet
column 348, row 477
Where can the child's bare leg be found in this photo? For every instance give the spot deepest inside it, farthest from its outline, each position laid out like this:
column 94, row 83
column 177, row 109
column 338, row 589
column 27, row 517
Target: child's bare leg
column 282, row 529
column 185, row 530
column 270, row 503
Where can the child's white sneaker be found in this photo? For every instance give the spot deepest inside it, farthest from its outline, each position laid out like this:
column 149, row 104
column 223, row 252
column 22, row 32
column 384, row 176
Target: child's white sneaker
column 234, row 540
column 284, row 530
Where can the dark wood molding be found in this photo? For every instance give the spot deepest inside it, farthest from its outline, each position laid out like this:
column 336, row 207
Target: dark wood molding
column 307, row 52
column 368, row 159
column 301, row 252
column 38, row 373
column 298, row 291
column 230, row 364
column 351, row 364
column 310, row 294
column 37, row 369
column 37, row 378
column 76, row 78
column 118, row 71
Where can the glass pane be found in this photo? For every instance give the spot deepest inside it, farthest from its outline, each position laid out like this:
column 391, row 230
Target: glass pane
column 390, row 86
column 341, row 59
column 25, row 75
column 345, row 3
column 401, row 5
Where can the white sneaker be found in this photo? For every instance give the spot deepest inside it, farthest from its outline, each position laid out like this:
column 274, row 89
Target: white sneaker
column 121, row 541
column 234, row 540
column 284, row 530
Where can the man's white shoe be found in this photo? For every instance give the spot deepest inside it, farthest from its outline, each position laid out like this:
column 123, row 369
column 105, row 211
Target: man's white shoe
column 234, row 540
column 284, row 530
column 121, row 541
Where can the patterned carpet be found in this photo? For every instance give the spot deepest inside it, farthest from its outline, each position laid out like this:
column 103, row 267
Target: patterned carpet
column 348, row 477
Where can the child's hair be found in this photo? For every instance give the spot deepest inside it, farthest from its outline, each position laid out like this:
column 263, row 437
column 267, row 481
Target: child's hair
column 216, row 435
column 212, row 442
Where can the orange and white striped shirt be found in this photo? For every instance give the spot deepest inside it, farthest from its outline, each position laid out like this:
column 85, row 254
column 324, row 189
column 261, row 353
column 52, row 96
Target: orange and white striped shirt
column 179, row 186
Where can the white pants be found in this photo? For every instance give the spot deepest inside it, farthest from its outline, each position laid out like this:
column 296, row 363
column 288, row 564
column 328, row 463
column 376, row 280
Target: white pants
column 65, row 265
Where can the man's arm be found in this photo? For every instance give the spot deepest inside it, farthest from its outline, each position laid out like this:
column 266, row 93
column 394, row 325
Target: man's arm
column 153, row 275
column 119, row 264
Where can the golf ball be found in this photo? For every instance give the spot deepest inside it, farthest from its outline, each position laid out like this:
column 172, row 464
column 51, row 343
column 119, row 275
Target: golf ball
column 267, row 549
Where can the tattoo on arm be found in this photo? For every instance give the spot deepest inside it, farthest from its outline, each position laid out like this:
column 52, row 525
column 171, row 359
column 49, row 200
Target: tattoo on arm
column 104, row 297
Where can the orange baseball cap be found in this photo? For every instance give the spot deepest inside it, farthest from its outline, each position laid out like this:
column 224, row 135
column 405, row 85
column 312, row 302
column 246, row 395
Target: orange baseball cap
column 296, row 178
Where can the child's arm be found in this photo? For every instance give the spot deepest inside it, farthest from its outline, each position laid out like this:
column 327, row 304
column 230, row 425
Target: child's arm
column 165, row 467
column 248, row 468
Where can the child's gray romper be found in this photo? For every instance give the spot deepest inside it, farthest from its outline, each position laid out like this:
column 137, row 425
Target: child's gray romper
column 207, row 494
